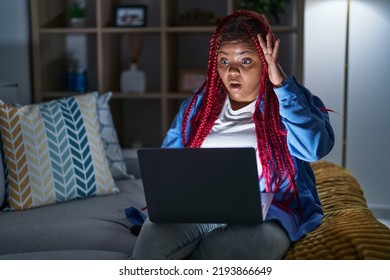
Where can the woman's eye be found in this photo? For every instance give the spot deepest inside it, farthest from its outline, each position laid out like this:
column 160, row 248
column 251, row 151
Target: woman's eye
column 224, row 61
column 246, row 61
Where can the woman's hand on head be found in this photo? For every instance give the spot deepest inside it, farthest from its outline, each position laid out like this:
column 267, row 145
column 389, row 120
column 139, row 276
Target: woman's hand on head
column 271, row 52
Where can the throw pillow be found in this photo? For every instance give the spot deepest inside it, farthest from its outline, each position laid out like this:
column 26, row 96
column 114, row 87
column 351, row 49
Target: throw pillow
column 111, row 144
column 2, row 183
column 10, row 94
column 53, row 152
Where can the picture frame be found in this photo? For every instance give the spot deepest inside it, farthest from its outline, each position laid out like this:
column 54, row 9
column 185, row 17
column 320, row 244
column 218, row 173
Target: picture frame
column 191, row 79
column 130, row 15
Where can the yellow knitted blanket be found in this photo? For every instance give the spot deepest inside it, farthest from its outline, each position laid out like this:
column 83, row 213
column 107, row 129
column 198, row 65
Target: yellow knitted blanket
column 349, row 230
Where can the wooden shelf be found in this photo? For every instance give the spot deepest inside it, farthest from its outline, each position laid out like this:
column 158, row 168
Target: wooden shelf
column 131, row 30
column 138, row 117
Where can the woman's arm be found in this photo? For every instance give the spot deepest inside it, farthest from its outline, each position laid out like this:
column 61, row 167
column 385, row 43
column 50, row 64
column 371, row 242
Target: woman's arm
column 173, row 137
column 309, row 133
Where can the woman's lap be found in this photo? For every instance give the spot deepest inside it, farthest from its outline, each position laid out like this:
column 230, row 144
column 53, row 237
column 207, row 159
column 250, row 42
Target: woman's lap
column 244, row 242
column 211, row 241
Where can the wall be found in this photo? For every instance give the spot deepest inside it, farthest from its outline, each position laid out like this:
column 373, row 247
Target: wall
column 367, row 154
column 324, row 55
column 368, row 138
column 15, row 46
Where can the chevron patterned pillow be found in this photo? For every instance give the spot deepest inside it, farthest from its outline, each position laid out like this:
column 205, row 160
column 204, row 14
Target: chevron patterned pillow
column 53, row 152
column 2, row 183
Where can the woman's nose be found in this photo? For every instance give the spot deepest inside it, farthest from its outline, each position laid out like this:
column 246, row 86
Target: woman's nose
column 233, row 70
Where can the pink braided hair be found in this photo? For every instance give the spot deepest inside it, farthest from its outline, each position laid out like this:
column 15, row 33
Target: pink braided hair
column 277, row 163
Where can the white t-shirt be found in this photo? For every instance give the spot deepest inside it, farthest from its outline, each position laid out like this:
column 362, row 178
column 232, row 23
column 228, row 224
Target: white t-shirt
column 234, row 128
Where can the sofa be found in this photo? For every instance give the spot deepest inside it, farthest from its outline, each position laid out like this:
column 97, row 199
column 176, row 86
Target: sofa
column 349, row 229
column 64, row 184
column 45, row 221
column 91, row 228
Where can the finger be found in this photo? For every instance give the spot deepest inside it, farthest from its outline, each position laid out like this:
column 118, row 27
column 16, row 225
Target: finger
column 269, row 43
column 275, row 52
column 262, row 42
column 268, row 49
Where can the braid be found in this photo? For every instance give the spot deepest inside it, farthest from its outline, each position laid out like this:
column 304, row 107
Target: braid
column 275, row 157
column 277, row 164
column 211, row 104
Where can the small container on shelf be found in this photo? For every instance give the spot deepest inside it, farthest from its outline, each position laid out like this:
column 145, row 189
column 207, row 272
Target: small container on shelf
column 77, row 14
column 133, row 80
column 70, row 79
column 80, row 80
column 76, row 79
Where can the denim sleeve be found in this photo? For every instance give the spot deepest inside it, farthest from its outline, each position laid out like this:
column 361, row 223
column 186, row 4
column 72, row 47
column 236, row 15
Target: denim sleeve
column 173, row 137
column 309, row 133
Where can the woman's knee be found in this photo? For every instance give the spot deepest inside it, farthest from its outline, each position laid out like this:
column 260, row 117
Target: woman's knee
column 266, row 241
column 168, row 241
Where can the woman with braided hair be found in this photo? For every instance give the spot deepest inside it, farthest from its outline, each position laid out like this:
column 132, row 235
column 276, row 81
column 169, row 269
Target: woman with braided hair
column 248, row 101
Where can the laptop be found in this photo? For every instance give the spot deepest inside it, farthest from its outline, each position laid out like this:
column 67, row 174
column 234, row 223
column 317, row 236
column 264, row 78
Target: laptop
column 202, row 185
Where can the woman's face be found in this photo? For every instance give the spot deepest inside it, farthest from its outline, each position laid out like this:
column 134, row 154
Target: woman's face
column 239, row 66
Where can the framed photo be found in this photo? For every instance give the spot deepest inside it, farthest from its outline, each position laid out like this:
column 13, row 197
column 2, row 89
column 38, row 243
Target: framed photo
column 190, row 80
column 130, row 16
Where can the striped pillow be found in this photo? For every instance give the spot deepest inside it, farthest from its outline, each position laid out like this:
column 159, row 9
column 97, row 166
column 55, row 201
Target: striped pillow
column 53, row 152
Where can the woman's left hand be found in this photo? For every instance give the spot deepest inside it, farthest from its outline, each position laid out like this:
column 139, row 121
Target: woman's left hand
column 271, row 52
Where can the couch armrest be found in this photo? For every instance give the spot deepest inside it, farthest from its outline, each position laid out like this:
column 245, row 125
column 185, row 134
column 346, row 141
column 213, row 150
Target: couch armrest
column 349, row 229
column 131, row 160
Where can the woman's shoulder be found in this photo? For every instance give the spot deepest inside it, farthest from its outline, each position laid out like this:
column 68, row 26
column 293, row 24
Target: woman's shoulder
column 188, row 100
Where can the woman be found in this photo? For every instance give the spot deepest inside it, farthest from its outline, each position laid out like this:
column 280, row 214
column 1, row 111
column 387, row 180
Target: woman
column 247, row 100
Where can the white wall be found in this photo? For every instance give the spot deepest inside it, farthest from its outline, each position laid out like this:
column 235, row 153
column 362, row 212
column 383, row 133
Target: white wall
column 368, row 138
column 368, row 123
column 14, row 46
column 324, row 55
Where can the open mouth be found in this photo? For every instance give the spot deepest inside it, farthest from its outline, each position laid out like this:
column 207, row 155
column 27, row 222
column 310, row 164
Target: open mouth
column 234, row 84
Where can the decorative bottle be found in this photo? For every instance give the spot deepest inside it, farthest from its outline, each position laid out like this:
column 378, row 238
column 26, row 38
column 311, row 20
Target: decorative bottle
column 133, row 80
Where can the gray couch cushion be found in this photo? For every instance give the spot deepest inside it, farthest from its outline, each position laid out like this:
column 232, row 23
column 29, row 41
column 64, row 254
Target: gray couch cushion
column 97, row 223
column 67, row 255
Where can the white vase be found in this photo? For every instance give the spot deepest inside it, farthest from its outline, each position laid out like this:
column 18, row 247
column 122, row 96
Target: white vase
column 133, row 80
column 77, row 22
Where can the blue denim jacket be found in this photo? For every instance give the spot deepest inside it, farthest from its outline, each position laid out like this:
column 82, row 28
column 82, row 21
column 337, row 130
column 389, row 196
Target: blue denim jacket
column 310, row 137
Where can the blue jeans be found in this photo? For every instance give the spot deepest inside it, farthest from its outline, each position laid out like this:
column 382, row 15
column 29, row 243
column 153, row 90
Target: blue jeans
column 211, row 241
